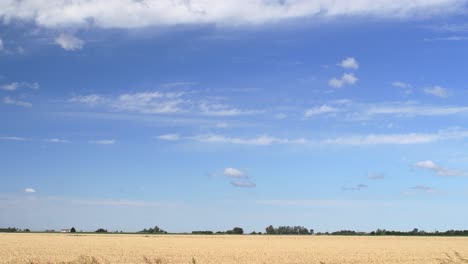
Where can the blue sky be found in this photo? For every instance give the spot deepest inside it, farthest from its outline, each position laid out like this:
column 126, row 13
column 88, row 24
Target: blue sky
column 204, row 115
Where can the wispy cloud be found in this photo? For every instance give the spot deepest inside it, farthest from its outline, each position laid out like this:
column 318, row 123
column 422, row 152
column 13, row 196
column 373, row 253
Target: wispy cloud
column 69, row 42
column 10, row 101
column 216, row 109
column 264, row 140
column 355, row 188
column 18, row 85
column 349, row 140
column 423, row 188
column 234, row 173
column 346, row 79
column 437, row 91
column 439, row 170
column 29, row 190
column 169, row 137
column 15, row 138
column 399, row 139
column 412, row 109
column 49, row 140
column 57, row 140
column 407, row 88
column 103, row 142
column 450, row 38
column 376, row 176
column 144, row 102
column 243, row 184
column 320, row 110
column 349, row 63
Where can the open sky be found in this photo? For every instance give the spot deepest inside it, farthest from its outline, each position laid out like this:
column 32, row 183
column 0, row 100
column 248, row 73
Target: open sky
column 205, row 114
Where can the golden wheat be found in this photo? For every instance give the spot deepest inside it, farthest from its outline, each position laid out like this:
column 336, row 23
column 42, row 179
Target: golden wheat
column 188, row 249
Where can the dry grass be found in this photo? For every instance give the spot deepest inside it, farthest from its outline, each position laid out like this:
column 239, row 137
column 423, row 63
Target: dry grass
column 168, row 249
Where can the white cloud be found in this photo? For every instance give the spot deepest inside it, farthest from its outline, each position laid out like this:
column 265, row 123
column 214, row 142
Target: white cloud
column 437, row 91
column 103, row 142
column 410, row 109
column 16, row 85
column 1, row 44
column 69, row 42
column 439, row 170
column 401, row 84
column 8, row 100
column 451, row 38
column 398, row 139
column 144, row 13
column 349, row 63
column 144, row 102
column 57, row 140
column 264, row 140
column 215, row 109
column 346, row 79
column 92, row 99
column 29, row 190
column 324, row 109
column 243, row 184
column 169, row 137
column 234, row 173
column 14, row 138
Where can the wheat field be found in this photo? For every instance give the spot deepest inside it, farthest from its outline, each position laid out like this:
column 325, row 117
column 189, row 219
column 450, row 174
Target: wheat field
column 190, row 249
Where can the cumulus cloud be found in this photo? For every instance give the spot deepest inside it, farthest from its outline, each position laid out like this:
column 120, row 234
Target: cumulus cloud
column 69, row 42
column 324, row 109
column 439, row 170
column 144, row 13
column 349, row 63
column 17, row 85
column 103, row 142
column 437, row 91
column 243, row 184
column 10, row 101
column 346, row 79
column 29, row 190
column 234, row 173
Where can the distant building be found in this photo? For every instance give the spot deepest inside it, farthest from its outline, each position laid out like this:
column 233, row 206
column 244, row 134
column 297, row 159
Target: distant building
column 65, row 231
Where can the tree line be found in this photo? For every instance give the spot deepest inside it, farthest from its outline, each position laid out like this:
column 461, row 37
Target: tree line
column 283, row 230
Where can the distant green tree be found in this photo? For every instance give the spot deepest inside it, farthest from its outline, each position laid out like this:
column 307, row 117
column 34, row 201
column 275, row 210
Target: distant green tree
column 72, row 230
column 270, row 230
column 101, row 230
column 155, row 230
column 237, row 231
